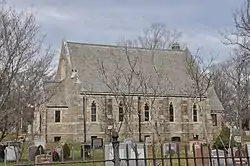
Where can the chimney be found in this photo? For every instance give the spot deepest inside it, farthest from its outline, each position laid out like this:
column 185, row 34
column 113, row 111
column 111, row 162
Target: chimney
column 176, row 46
column 74, row 73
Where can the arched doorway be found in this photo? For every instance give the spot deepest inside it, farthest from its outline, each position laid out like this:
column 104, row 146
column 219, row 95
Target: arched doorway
column 176, row 139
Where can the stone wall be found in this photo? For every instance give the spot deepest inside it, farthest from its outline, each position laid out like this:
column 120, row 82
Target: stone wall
column 71, row 125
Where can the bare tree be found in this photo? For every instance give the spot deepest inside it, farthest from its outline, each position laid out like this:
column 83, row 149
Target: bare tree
column 131, row 82
column 223, row 89
column 136, row 90
column 240, row 37
column 123, row 84
column 238, row 73
column 156, row 36
column 200, row 71
column 24, row 65
column 233, row 90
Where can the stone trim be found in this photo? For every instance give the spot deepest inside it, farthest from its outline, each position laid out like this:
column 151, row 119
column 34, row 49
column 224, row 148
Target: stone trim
column 57, row 106
column 89, row 93
column 61, row 134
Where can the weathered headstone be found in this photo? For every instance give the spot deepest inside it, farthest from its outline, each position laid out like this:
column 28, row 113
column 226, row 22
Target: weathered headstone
column 40, row 149
column 169, row 148
column 97, row 143
column 248, row 148
column 12, row 153
column 238, row 153
column 220, row 157
column 198, row 154
column 42, row 159
column 32, row 152
column 59, row 150
column 128, row 141
column 109, row 154
column 140, row 153
column 201, row 154
column 247, row 133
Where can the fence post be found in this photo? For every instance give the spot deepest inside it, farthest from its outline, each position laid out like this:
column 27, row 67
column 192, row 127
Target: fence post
column 5, row 156
column 116, row 144
column 62, row 154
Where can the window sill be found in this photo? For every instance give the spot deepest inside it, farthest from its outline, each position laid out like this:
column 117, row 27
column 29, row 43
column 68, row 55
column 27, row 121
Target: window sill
column 145, row 122
column 58, row 122
column 94, row 122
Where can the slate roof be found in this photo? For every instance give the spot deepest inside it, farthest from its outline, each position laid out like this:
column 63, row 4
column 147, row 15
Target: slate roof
column 55, row 92
column 214, row 101
column 170, row 64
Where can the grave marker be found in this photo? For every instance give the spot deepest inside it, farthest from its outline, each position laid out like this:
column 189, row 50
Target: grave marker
column 109, row 153
column 32, row 152
column 248, row 148
column 12, row 153
column 43, row 159
column 221, row 157
column 172, row 150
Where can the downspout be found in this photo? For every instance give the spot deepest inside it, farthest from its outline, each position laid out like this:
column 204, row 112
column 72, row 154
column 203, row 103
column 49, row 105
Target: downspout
column 46, row 125
column 84, row 118
column 139, row 116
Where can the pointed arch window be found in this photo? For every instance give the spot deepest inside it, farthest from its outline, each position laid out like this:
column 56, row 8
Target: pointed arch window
column 110, row 107
column 195, row 113
column 121, row 114
column 171, row 112
column 146, row 110
column 93, row 112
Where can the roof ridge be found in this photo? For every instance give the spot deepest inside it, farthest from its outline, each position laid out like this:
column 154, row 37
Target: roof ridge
column 118, row 46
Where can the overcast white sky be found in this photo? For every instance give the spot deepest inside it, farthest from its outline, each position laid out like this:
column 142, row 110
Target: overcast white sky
column 104, row 21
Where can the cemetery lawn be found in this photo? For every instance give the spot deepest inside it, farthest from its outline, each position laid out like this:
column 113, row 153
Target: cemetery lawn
column 98, row 154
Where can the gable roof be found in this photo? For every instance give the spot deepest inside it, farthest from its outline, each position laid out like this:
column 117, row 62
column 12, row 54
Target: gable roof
column 214, row 101
column 86, row 59
column 55, row 92
column 171, row 64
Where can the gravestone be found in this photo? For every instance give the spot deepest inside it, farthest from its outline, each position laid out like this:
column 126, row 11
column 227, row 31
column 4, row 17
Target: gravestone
column 128, row 141
column 169, row 148
column 40, row 149
column 238, row 153
column 43, row 159
column 32, row 152
column 97, row 143
column 201, row 153
column 248, row 148
column 198, row 154
column 220, row 156
column 247, row 133
column 59, row 150
column 109, row 154
column 12, row 151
